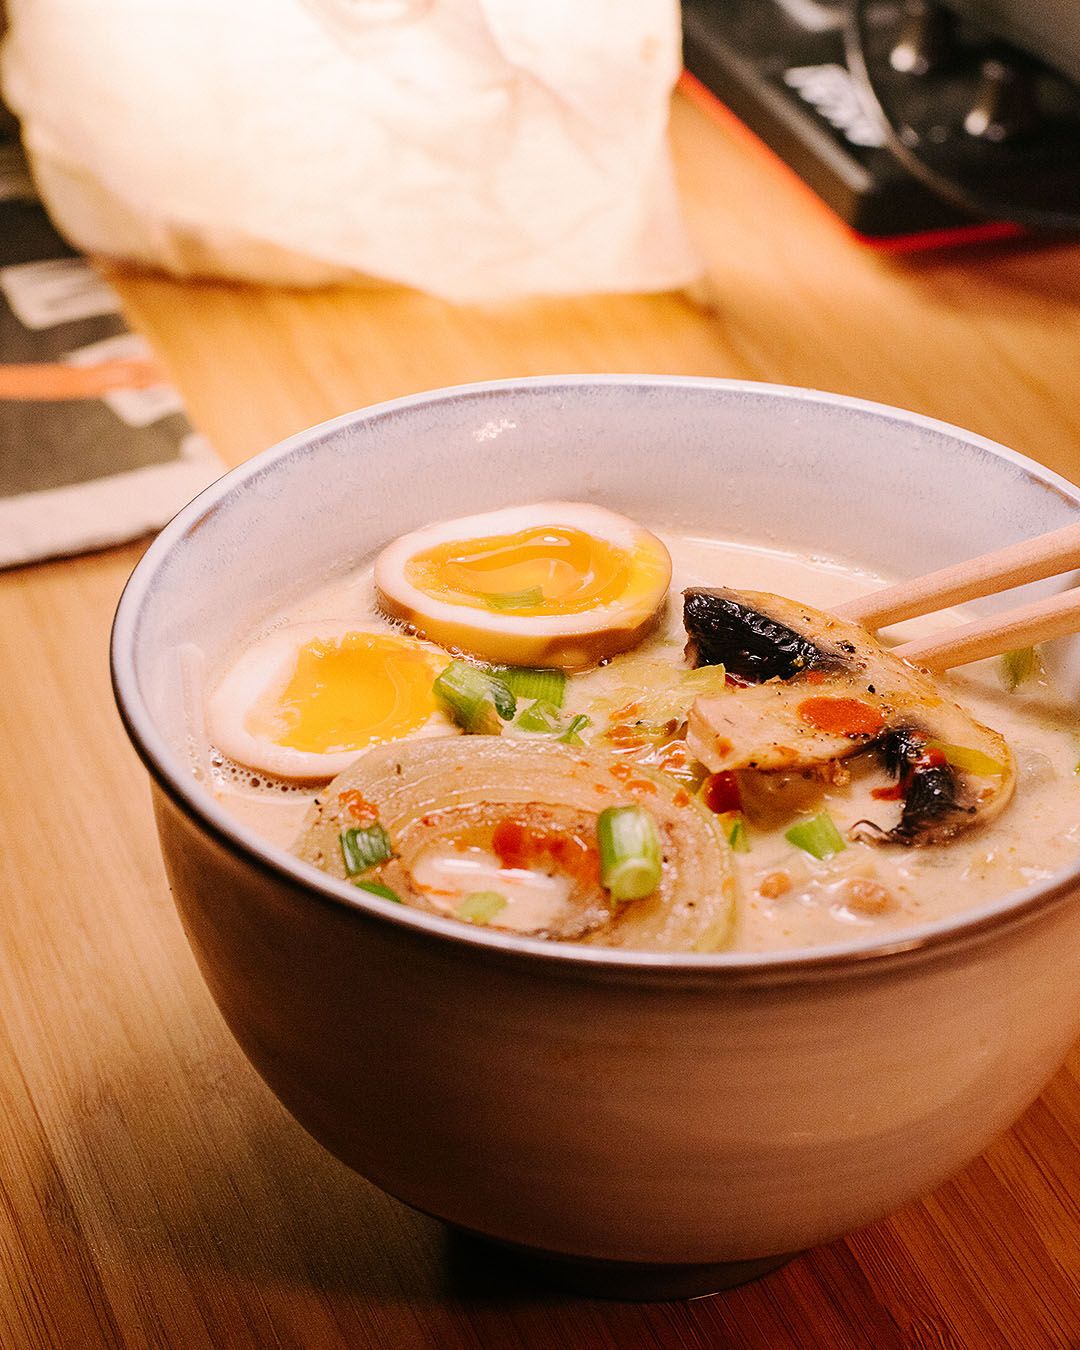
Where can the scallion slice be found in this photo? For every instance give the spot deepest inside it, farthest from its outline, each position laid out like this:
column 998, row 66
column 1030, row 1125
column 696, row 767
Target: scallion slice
column 377, row 888
column 578, row 724
column 968, row 759
column 1017, row 666
column 527, row 599
column 505, row 702
column 540, row 716
column 737, row 837
column 475, row 698
column 544, row 718
column 630, row 856
column 365, row 848
column 481, row 906
column 817, row 836
column 533, row 682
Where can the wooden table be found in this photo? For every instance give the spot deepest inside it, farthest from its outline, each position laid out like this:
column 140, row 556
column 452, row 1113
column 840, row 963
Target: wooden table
column 152, row 1191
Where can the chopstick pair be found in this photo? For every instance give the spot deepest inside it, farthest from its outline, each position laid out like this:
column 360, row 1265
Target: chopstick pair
column 1048, row 555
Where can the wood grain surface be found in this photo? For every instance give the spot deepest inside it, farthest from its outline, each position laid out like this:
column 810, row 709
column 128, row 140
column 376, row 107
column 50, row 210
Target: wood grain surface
column 152, row 1191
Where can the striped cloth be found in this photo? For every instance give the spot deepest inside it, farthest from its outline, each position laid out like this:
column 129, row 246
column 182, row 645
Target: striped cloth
column 94, row 444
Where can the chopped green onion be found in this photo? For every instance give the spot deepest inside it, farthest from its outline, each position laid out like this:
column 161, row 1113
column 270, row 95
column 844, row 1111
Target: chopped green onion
column 968, row 759
column 737, row 838
column 533, row 682
column 365, row 848
column 630, row 857
column 377, row 888
column 577, row 724
column 505, row 702
column 817, row 836
column 540, row 716
column 544, row 717
column 1017, row 666
column 528, row 599
column 475, row 698
column 481, row 906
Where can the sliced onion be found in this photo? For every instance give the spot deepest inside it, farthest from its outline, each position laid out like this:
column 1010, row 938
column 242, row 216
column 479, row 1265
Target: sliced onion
column 432, row 793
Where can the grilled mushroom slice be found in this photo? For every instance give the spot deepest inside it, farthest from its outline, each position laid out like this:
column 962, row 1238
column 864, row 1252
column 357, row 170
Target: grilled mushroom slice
column 820, row 689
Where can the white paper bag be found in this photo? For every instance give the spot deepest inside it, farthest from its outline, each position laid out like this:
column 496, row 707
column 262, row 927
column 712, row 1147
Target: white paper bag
column 478, row 149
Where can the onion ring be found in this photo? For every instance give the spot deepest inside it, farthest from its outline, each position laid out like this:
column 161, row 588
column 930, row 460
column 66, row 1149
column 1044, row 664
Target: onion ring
column 433, row 792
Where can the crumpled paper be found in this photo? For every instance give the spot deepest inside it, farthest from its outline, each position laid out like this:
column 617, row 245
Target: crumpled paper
column 477, row 149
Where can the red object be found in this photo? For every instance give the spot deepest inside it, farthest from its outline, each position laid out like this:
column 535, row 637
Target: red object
column 841, row 716
column 720, row 792
column 358, row 806
column 978, row 232
column 519, row 843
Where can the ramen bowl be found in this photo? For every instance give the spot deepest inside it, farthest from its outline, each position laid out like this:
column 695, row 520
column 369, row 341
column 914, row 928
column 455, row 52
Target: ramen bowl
column 652, row 1124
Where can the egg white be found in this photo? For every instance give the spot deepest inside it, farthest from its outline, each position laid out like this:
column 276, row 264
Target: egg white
column 265, row 669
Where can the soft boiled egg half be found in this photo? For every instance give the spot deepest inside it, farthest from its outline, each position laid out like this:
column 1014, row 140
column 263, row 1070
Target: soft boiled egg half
column 305, row 700
column 552, row 584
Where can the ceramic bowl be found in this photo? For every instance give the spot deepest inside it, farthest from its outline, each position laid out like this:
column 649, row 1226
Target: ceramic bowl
column 658, row 1123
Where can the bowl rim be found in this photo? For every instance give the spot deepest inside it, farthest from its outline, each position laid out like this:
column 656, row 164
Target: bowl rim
column 934, row 939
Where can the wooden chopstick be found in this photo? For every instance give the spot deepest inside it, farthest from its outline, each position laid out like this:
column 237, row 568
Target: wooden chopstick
column 1048, row 555
column 1051, row 617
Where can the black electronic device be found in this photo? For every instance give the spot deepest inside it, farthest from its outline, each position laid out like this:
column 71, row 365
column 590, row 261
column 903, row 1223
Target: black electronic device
column 913, row 120
column 1047, row 29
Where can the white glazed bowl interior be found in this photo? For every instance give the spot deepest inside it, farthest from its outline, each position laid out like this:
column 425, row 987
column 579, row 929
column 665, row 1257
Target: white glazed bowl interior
column 801, row 470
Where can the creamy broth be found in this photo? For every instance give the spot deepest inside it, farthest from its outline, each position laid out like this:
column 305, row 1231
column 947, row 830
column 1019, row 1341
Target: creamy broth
column 788, row 898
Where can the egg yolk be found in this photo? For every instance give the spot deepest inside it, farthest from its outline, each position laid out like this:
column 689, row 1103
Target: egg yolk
column 546, row 569
column 348, row 694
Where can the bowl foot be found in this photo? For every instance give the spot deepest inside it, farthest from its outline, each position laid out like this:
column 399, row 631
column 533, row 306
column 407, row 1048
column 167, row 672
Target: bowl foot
column 595, row 1277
